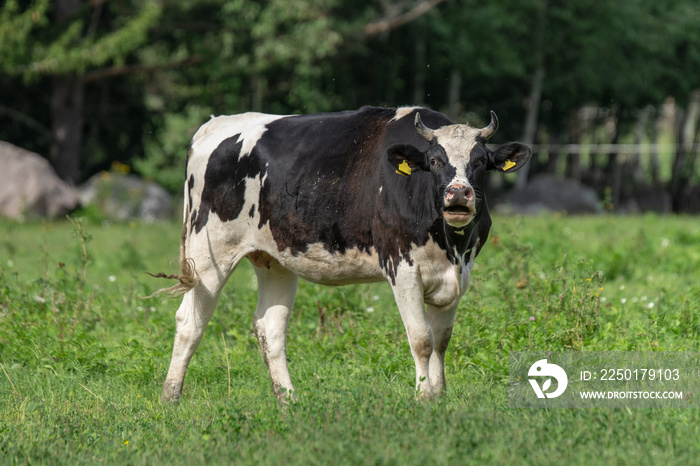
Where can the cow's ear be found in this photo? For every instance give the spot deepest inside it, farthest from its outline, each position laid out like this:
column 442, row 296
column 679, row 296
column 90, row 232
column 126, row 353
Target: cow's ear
column 509, row 157
column 406, row 159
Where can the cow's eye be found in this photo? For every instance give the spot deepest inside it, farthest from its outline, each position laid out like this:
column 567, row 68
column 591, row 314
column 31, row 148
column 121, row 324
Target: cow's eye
column 434, row 162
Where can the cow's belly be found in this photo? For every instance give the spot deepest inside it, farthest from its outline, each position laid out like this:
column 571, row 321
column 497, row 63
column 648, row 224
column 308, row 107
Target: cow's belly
column 318, row 265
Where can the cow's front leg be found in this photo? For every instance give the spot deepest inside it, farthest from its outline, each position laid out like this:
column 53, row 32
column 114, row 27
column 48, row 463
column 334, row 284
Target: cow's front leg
column 408, row 293
column 277, row 289
column 441, row 322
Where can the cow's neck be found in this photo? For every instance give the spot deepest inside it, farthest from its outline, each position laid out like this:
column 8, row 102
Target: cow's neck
column 458, row 242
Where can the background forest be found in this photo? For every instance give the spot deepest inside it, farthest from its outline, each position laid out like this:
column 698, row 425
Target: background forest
column 90, row 82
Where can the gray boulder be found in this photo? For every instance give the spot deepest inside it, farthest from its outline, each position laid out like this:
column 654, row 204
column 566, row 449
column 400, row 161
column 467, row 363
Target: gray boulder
column 549, row 193
column 120, row 196
column 29, row 187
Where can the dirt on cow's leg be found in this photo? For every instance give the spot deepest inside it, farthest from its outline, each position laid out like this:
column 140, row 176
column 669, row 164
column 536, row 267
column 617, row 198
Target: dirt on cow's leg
column 276, row 292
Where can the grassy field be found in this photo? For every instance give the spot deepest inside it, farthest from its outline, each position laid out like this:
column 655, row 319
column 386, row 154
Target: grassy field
column 83, row 358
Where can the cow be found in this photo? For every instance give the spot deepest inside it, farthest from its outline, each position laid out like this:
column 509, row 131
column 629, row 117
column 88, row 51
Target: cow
column 376, row 194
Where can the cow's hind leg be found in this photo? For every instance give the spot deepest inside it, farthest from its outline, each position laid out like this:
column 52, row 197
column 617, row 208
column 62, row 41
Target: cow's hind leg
column 276, row 291
column 192, row 317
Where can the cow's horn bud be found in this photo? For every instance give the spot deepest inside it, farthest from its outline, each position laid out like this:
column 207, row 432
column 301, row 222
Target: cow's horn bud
column 427, row 133
column 491, row 129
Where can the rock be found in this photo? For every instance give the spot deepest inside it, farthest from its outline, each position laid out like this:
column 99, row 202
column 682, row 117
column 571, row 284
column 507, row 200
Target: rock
column 550, row 193
column 29, row 187
column 120, row 196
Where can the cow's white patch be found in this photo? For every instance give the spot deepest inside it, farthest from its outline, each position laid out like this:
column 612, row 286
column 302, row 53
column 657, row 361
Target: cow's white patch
column 264, row 178
column 252, row 195
column 403, row 111
column 251, row 126
column 185, row 206
column 444, row 283
column 458, row 142
column 253, row 131
column 214, row 246
column 319, row 265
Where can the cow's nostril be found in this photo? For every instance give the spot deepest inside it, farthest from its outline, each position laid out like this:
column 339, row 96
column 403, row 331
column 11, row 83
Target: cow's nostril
column 459, row 191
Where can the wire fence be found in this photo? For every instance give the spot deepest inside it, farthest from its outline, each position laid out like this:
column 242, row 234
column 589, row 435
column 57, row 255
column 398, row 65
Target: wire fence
column 603, row 148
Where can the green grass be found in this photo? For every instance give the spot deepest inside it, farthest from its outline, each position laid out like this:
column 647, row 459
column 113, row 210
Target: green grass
column 83, row 358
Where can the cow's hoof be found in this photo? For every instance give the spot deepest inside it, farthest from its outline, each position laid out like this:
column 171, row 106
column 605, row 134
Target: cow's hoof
column 285, row 397
column 171, row 394
column 424, row 394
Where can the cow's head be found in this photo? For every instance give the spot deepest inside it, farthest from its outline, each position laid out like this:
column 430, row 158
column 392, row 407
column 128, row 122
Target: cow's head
column 458, row 159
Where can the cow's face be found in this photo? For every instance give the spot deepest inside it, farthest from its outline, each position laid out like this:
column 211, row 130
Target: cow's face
column 458, row 159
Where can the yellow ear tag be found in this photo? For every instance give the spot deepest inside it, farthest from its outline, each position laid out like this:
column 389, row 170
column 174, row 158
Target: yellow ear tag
column 508, row 164
column 404, row 169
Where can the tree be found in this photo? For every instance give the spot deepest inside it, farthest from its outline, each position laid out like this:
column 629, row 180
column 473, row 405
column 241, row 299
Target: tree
column 78, row 38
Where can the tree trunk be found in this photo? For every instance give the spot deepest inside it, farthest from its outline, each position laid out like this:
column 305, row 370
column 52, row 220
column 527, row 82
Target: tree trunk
column 676, row 184
column 552, row 163
column 535, row 97
column 66, row 126
column 453, row 94
column 67, row 95
column 684, row 162
column 420, row 67
column 613, row 170
column 573, row 158
column 531, row 120
column 639, row 133
column 654, row 164
column 573, row 165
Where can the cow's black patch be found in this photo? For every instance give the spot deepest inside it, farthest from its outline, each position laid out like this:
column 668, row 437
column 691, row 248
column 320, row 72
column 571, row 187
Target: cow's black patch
column 322, row 170
column 225, row 182
column 194, row 216
column 190, row 186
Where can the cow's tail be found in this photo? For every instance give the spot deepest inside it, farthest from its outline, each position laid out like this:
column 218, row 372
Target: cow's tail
column 188, row 278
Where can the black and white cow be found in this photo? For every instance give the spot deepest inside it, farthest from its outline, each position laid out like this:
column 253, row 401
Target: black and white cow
column 335, row 198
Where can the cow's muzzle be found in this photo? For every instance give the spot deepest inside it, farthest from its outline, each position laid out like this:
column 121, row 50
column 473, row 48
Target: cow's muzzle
column 459, row 206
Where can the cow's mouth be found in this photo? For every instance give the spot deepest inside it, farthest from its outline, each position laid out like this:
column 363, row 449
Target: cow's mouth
column 458, row 215
column 458, row 210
